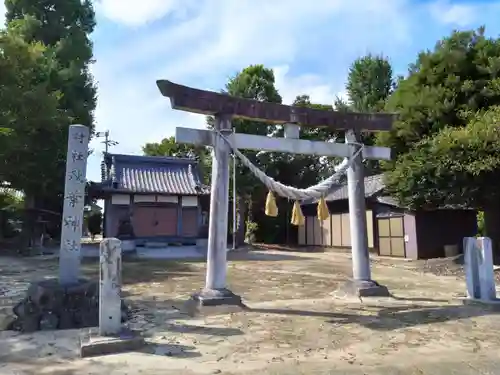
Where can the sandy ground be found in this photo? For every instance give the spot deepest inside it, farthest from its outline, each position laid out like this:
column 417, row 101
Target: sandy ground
column 294, row 324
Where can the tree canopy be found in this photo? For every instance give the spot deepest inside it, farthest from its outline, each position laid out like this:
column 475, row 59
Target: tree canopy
column 168, row 147
column 369, row 83
column 46, row 86
column 458, row 166
column 30, row 116
column 447, row 88
column 64, row 26
column 446, row 139
column 444, row 87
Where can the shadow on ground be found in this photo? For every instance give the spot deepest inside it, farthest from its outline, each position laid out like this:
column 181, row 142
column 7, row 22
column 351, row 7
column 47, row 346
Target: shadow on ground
column 263, row 256
column 391, row 318
column 291, row 248
column 136, row 270
column 171, row 350
column 145, row 270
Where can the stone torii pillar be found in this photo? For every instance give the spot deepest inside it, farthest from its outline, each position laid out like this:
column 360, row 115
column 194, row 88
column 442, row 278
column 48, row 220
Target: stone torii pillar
column 217, row 239
column 361, row 283
column 215, row 291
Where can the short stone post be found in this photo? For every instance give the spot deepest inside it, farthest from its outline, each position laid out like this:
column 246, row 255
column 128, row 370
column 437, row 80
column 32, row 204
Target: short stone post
column 479, row 275
column 112, row 336
column 110, row 283
column 74, row 196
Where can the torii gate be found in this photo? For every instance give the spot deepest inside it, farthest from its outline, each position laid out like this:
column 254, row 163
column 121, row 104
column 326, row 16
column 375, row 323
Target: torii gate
column 224, row 108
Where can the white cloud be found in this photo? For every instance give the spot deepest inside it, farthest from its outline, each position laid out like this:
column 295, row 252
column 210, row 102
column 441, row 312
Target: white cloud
column 456, row 14
column 313, row 85
column 139, row 13
column 201, row 43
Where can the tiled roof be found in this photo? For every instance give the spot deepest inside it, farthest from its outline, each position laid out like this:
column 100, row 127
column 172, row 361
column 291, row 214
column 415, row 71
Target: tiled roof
column 153, row 174
column 374, row 188
column 388, row 200
column 373, row 185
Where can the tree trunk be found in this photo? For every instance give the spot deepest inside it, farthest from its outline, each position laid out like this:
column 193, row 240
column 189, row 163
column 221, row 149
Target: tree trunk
column 240, row 221
column 29, row 219
column 492, row 229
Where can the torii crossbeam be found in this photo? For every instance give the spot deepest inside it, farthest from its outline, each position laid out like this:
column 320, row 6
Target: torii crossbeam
column 224, row 108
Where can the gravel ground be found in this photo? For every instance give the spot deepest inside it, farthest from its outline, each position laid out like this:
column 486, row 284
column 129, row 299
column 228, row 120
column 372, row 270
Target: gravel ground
column 294, row 324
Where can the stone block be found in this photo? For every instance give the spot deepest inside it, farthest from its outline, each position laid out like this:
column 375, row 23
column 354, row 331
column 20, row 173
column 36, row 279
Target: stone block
column 362, row 288
column 217, row 297
column 213, row 302
column 94, row 345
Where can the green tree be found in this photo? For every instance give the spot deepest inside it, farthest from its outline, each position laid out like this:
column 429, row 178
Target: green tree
column 168, row 147
column 294, row 170
column 10, row 206
column 65, row 26
column 444, row 87
column 458, row 166
column 369, row 84
column 446, row 139
column 31, row 120
column 30, row 116
column 254, row 82
column 61, row 28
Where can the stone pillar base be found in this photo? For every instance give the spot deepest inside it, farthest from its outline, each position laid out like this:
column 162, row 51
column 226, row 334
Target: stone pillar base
column 95, row 345
column 49, row 306
column 217, row 297
column 214, row 301
column 362, row 288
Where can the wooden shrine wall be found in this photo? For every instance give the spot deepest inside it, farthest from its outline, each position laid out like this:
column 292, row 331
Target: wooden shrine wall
column 332, row 232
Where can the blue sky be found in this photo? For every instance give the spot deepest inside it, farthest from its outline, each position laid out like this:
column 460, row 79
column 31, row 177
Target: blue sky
column 201, row 43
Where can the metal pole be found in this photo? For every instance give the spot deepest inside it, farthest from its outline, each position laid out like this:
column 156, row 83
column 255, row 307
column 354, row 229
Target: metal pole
column 357, row 213
column 234, row 199
column 106, row 140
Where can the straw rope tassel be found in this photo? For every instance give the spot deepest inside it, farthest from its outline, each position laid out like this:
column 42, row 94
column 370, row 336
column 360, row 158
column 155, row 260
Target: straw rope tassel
column 297, row 215
column 271, row 207
column 323, row 212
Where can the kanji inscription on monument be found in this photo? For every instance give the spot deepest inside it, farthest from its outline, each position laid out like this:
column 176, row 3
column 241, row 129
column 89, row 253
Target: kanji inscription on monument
column 74, row 190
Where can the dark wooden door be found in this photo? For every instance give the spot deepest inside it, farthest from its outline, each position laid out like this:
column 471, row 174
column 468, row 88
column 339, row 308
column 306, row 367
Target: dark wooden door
column 152, row 221
column 190, row 221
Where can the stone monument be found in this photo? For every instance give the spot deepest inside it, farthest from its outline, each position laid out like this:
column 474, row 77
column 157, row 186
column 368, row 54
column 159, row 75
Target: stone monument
column 479, row 275
column 69, row 301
